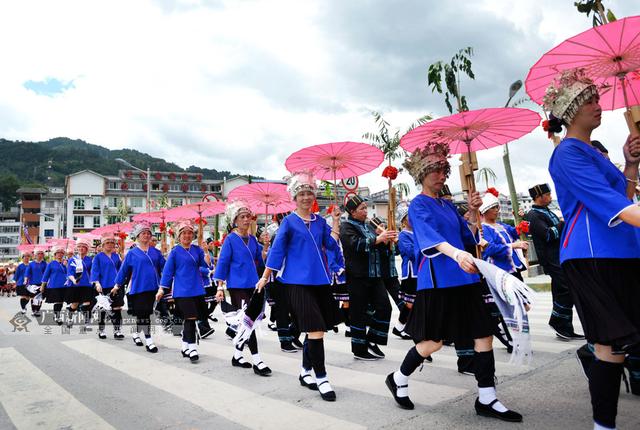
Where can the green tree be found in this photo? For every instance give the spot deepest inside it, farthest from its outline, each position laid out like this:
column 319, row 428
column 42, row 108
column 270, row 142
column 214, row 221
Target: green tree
column 487, row 174
column 595, row 6
column 9, row 184
column 450, row 74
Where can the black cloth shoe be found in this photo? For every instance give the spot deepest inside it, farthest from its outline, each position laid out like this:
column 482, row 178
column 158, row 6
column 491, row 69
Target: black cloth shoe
column 307, row 383
column 288, row 347
column 567, row 335
column 365, row 356
column 488, row 411
column 193, row 356
column 585, row 357
column 347, row 333
column 237, row 363
column 118, row 335
column 329, row 396
column 231, row 333
column 138, row 341
column 375, row 350
column 296, row 342
column 401, row 334
column 265, row 371
column 403, row 402
column 207, row 332
column 152, row 348
column 272, row 326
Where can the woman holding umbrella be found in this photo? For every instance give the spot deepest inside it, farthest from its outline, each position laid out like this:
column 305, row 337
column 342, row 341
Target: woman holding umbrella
column 449, row 302
column 241, row 259
column 298, row 256
column 183, row 273
column 141, row 266
column 600, row 250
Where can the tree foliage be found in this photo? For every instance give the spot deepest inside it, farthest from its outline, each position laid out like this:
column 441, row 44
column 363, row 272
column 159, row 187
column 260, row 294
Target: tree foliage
column 595, row 6
column 487, row 175
column 388, row 141
column 450, row 74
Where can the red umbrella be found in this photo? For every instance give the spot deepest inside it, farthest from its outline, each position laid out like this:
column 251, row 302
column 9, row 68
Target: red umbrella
column 610, row 55
column 473, row 131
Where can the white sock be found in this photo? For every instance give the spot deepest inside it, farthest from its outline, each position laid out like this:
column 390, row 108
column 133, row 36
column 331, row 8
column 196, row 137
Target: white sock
column 323, row 388
column 192, row 347
column 399, row 326
column 487, row 395
column 401, row 379
column 237, row 354
column 304, row 371
column 185, row 346
column 135, row 335
column 258, row 361
column 597, row 426
column 148, row 340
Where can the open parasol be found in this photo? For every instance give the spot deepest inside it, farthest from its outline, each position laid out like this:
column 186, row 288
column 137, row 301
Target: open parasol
column 473, row 131
column 610, row 55
column 156, row 217
column 264, row 197
column 338, row 160
column 196, row 212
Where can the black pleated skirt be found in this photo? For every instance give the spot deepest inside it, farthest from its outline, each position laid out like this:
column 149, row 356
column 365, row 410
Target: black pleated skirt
column 191, row 307
column 606, row 292
column 55, row 295
column 313, row 307
column 141, row 304
column 408, row 289
column 340, row 292
column 117, row 299
column 21, row 290
column 80, row 295
column 457, row 313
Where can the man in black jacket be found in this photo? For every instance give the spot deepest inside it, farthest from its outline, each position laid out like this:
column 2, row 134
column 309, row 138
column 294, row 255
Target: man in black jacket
column 546, row 229
column 361, row 247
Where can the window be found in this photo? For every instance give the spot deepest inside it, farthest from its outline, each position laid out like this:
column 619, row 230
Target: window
column 96, row 221
column 78, row 203
column 78, row 221
column 135, row 186
column 113, row 219
column 136, row 202
column 194, row 187
column 96, row 202
column 50, row 204
column 176, row 202
column 113, row 185
column 10, row 229
column 113, row 202
column 48, row 232
column 155, row 187
column 174, row 187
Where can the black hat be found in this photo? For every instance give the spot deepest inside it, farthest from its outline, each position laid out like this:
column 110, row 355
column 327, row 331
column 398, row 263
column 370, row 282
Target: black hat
column 353, row 203
column 539, row 190
column 209, row 240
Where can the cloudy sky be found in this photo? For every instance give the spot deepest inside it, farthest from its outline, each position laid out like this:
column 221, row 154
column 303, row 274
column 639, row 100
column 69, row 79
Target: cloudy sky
column 239, row 85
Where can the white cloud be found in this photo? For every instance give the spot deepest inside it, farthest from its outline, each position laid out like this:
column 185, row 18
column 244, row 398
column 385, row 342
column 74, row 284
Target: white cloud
column 240, row 85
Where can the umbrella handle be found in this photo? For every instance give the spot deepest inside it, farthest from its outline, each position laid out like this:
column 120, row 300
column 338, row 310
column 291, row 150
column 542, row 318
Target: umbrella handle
column 471, row 185
column 631, row 124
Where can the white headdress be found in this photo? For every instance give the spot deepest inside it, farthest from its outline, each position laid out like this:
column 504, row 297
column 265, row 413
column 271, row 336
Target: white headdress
column 301, row 181
column 488, row 201
column 567, row 93
column 235, row 208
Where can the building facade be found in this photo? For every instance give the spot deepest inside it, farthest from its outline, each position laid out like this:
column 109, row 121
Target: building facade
column 9, row 239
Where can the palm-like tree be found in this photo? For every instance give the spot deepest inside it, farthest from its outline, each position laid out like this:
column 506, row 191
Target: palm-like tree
column 487, row 174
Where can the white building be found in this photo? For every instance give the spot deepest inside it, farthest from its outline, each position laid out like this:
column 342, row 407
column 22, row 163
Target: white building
column 9, row 239
column 52, row 214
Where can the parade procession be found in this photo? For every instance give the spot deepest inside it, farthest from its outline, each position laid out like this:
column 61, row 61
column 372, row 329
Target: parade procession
column 304, row 301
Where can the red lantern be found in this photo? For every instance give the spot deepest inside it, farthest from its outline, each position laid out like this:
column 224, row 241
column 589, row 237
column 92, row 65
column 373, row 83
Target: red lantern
column 184, row 188
column 144, row 187
column 128, row 174
column 198, row 177
column 124, row 186
column 142, row 175
column 203, row 188
column 185, row 177
column 172, row 176
column 165, row 187
column 157, row 175
column 163, row 227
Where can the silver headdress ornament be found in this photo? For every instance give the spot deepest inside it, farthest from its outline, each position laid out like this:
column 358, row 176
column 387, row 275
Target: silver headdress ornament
column 402, row 210
column 301, row 181
column 430, row 158
column 235, row 208
column 139, row 228
column 568, row 91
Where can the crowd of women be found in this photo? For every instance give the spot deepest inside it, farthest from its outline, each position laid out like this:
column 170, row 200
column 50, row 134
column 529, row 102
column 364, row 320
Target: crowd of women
column 318, row 273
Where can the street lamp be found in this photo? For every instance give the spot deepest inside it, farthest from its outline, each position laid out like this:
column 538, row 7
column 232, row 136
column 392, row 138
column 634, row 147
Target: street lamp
column 148, row 173
column 513, row 89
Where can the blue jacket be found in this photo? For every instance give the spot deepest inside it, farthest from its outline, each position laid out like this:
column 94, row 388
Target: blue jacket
column 498, row 251
column 55, row 275
column 238, row 264
column 85, row 279
column 436, row 221
column 142, row 268
column 19, row 275
column 105, row 269
column 298, row 251
column 33, row 273
column 183, row 269
column 591, row 193
column 409, row 267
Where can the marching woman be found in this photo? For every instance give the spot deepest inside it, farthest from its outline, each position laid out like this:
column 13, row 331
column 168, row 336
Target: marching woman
column 183, row 276
column 600, row 250
column 503, row 240
column 33, row 279
column 21, row 285
column 297, row 255
column 80, row 292
column 54, row 282
column 141, row 267
column 241, row 258
column 449, row 302
column 104, row 269
column 409, row 267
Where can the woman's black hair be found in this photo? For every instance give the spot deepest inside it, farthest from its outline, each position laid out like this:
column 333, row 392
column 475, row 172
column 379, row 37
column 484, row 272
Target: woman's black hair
column 555, row 124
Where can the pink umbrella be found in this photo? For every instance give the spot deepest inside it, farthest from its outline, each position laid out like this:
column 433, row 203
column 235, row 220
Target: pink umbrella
column 156, row 217
column 264, row 197
column 26, row 247
column 121, row 227
column 197, row 212
column 610, row 55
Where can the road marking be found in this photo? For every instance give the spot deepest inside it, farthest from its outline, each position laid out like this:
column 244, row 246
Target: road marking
column 32, row 399
column 227, row 398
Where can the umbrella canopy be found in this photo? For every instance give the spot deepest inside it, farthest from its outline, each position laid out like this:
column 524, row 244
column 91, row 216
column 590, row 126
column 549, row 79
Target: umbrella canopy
column 610, row 55
column 339, row 160
column 155, row 217
column 194, row 211
column 120, row 227
column 26, row 247
column 473, row 130
column 264, row 197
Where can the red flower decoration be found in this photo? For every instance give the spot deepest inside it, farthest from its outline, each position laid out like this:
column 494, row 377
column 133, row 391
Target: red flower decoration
column 172, row 176
column 545, row 125
column 198, row 220
column 315, row 208
column 390, row 172
column 144, row 187
column 142, row 175
column 157, row 175
column 203, row 188
column 184, row 188
column 185, row 177
column 163, row 227
column 124, row 186
column 198, row 177
column 493, row 191
column 122, row 235
column 128, row 174
column 330, row 209
column 523, row 227
column 165, row 187
column 170, row 232
column 217, row 243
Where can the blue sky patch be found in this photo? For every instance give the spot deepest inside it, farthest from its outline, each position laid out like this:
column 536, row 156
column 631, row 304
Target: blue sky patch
column 49, row 87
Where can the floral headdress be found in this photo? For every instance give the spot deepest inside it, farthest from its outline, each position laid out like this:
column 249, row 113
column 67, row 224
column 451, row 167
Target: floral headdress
column 567, row 93
column 235, row 208
column 419, row 163
column 301, row 181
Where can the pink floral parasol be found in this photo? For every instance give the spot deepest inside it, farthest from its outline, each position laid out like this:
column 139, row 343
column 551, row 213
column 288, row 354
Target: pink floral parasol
column 155, row 217
column 473, row 130
column 339, row 160
column 120, row 227
column 610, row 55
column 195, row 211
column 26, row 247
column 264, row 197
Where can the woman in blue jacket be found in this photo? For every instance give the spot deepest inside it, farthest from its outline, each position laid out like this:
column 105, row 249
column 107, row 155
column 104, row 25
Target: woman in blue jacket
column 183, row 275
column 80, row 292
column 599, row 246
column 104, row 269
column 33, row 278
column 299, row 258
column 21, row 285
column 54, row 282
column 241, row 260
